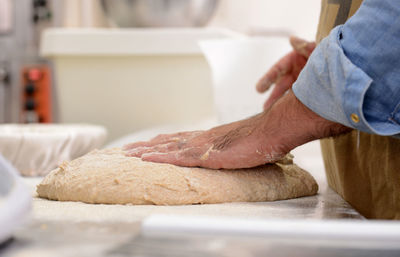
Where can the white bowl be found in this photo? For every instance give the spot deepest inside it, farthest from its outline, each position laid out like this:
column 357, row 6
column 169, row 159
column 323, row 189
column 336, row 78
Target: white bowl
column 36, row 149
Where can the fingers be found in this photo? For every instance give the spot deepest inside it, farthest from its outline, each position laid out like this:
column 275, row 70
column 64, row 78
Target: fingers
column 302, row 46
column 282, row 67
column 279, row 90
column 180, row 148
column 135, row 145
column 189, row 157
column 162, row 139
column 264, row 84
column 162, row 148
column 209, row 158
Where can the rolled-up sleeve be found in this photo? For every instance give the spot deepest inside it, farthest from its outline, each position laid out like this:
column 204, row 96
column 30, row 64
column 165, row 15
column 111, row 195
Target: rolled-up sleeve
column 353, row 76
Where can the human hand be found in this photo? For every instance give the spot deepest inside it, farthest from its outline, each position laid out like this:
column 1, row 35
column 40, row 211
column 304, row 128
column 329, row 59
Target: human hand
column 229, row 146
column 285, row 72
column 264, row 138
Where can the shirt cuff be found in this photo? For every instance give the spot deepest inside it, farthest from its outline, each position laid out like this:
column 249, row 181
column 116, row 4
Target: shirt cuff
column 334, row 88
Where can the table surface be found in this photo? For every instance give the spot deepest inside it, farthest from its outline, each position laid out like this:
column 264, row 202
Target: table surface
column 79, row 229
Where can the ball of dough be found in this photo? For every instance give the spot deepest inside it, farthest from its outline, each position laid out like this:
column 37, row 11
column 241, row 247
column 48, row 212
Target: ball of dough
column 109, row 177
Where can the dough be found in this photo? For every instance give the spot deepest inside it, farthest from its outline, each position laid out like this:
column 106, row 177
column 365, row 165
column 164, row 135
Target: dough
column 109, row 177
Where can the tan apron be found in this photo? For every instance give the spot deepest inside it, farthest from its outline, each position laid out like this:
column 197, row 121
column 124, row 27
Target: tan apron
column 364, row 169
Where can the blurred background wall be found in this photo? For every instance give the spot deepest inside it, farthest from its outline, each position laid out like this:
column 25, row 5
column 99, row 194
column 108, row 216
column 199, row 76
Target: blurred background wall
column 252, row 16
column 295, row 17
column 27, row 64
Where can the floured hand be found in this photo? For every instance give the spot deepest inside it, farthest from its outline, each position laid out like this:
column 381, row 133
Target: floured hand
column 264, row 138
column 232, row 145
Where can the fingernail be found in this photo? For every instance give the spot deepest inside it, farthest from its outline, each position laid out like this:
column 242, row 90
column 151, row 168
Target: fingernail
column 152, row 156
column 263, row 85
column 136, row 152
column 297, row 40
column 132, row 153
column 302, row 46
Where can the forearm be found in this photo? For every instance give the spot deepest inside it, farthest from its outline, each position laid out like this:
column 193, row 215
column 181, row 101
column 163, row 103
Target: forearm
column 295, row 124
column 263, row 138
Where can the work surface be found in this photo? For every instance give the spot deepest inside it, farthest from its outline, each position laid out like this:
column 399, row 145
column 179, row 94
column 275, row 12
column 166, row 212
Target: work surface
column 78, row 229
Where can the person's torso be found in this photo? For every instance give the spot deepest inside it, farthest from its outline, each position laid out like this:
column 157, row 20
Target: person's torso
column 363, row 168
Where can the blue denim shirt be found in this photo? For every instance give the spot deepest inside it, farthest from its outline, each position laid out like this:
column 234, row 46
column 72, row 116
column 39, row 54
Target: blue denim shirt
column 353, row 76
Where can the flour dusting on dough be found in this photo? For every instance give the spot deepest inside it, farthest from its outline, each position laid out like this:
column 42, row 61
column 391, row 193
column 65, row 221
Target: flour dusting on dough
column 110, row 177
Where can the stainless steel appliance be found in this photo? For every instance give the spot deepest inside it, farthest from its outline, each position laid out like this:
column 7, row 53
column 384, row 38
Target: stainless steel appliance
column 159, row 13
column 21, row 22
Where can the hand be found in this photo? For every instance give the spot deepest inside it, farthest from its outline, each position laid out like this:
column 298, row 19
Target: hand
column 232, row 145
column 285, row 72
column 264, row 138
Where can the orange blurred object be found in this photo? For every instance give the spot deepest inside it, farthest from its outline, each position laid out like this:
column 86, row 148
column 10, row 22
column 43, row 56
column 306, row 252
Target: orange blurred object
column 34, row 74
column 36, row 95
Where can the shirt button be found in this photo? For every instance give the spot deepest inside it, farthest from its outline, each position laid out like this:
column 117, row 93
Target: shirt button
column 354, row 117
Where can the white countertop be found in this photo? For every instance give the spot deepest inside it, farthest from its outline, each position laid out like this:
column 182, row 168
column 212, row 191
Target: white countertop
column 79, row 229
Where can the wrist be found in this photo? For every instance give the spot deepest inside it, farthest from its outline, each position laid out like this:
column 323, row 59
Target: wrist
column 295, row 124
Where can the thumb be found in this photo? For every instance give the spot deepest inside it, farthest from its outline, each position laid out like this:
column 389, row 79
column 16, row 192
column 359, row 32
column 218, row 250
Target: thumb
column 302, row 46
